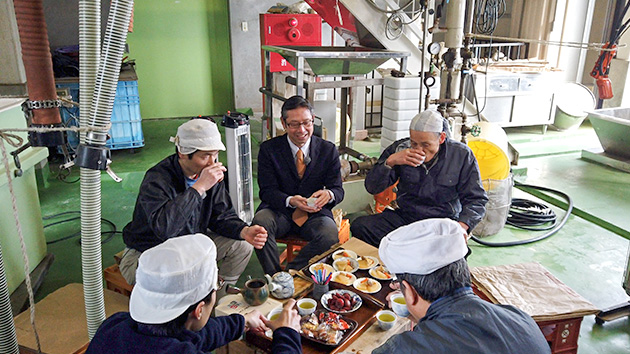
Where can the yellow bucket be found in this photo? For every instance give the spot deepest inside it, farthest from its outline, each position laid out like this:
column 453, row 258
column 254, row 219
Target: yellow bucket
column 489, row 143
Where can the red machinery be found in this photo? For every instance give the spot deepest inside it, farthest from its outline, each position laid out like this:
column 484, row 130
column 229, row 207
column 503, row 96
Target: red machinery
column 289, row 30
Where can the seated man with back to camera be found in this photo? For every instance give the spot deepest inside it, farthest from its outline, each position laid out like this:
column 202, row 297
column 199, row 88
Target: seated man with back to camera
column 170, row 306
column 427, row 257
column 300, row 182
column 184, row 194
column 438, row 178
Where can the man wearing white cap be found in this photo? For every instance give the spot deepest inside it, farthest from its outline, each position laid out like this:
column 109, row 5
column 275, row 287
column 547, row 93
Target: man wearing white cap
column 437, row 178
column 170, row 306
column 185, row 194
column 427, row 257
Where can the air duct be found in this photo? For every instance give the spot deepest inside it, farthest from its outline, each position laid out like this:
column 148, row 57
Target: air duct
column 92, row 155
column 40, row 80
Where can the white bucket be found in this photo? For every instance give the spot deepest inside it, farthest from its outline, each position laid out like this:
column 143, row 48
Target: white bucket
column 573, row 101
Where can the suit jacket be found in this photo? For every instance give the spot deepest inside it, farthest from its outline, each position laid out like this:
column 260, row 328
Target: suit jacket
column 278, row 177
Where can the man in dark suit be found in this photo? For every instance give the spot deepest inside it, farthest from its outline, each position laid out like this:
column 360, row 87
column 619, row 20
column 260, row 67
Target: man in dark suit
column 300, row 182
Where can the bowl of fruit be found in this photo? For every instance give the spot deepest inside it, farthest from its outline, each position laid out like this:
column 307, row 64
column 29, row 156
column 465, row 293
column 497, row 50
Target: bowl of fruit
column 341, row 301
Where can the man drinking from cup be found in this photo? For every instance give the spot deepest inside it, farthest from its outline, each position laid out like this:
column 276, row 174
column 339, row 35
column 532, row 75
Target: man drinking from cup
column 427, row 257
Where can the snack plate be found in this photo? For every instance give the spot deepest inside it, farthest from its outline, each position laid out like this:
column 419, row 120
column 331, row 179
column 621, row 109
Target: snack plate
column 374, row 262
column 351, row 323
column 328, row 295
column 351, row 278
column 344, row 253
column 328, row 268
column 345, row 261
column 374, row 274
column 360, row 280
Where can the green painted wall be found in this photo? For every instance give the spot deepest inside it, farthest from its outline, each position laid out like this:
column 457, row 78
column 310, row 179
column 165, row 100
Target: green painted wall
column 182, row 53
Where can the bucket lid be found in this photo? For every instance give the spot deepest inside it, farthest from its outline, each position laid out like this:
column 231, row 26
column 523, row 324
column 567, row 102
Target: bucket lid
column 575, row 99
column 489, row 144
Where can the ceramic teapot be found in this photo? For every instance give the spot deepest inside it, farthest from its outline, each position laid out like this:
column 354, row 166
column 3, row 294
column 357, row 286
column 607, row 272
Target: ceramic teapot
column 281, row 285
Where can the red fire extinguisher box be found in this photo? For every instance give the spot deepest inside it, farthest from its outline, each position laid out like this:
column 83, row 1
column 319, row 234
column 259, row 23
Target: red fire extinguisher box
column 289, row 30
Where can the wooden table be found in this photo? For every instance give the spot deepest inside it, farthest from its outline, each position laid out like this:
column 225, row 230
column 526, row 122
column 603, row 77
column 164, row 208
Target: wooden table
column 368, row 335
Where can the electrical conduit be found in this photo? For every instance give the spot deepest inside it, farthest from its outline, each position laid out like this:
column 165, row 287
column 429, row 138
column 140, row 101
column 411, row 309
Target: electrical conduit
column 100, row 110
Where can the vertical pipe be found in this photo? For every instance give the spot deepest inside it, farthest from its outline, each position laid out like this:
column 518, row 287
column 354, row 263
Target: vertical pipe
column 8, row 338
column 89, row 47
column 99, row 117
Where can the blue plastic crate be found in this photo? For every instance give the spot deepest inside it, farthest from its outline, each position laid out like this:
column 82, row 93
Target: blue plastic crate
column 126, row 130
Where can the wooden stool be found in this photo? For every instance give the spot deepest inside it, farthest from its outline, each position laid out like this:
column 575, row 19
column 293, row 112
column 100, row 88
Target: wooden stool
column 115, row 281
column 295, row 244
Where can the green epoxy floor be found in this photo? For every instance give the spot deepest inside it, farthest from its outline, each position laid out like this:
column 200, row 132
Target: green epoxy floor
column 587, row 257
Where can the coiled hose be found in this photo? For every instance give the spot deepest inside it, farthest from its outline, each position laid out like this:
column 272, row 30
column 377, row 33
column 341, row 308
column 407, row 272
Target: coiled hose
column 526, row 214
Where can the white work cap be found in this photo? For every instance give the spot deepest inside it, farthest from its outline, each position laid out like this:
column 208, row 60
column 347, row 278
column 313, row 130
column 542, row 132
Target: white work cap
column 427, row 121
column 172, row 276
column 197, row 134
column 423, row 246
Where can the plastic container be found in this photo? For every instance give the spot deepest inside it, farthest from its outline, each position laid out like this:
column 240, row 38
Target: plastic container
column 612, row 126
column 398, row 105
column 400, row 114
column 393, row 135
column 489, row 143
column 126, row 130
column 572, row 102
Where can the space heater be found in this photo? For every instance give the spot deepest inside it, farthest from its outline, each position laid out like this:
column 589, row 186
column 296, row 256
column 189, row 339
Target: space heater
column 239, row 159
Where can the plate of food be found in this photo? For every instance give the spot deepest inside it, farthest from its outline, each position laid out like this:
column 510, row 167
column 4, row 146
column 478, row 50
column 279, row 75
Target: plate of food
column 327, row 328
column 341, row 301
column 367, row 285
column 346, row 264
column 321, row 267
column 345, row 278
column 344, row 253
column 381, row 273
column 367, row 262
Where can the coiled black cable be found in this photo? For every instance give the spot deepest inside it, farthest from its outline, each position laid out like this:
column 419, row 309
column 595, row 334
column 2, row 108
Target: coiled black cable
column 109, row 234
column 526, row 214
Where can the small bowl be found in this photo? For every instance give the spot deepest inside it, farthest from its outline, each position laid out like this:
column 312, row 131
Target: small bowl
column 328, row 269
column 375, row 285
column 371, row 262
column 386, row 319
column 345, row 278
column 346, row 264
column 399, row 305
column 357, row 300
column 306, row 306
column 344, row 253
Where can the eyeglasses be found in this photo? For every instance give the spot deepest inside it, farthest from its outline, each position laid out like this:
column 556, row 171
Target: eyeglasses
column 296, row 125
column 220, row 283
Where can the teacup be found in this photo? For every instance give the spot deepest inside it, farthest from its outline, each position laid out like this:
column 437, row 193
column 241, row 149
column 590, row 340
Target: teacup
column 306, row 306
column 274, row 314
column 255, row 292
column 399, row 305
column 386, row 319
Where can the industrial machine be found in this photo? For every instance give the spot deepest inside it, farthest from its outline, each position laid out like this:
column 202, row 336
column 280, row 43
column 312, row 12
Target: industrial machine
column 239, row 155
